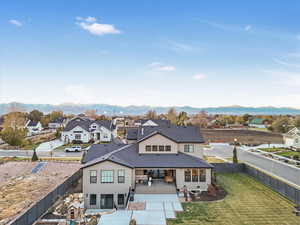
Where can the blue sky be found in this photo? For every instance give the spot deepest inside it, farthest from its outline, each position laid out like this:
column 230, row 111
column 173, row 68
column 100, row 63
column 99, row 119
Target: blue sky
column 197, row 53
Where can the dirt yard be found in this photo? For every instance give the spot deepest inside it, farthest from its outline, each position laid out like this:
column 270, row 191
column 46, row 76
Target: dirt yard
column 19, row 188
column 251, row 137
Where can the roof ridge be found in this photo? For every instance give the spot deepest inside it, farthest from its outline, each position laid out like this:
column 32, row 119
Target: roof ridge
column 107, row 155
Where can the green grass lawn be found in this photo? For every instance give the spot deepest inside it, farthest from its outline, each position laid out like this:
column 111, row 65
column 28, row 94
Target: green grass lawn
column 69, row 145
column 274, row 149
column 248, row 203
column 288, row 154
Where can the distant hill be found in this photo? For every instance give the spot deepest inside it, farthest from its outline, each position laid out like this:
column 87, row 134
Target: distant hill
column 139, row 110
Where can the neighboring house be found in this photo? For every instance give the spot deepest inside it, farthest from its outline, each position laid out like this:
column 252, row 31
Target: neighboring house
column 33, row 127
column 292, row 138
column 257, row 123
column 152, row 122
column 84, row 129
column 172, row 156
column 59, row 122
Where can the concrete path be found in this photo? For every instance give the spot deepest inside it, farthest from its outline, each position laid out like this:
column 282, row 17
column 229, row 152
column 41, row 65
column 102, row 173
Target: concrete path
column 49, row 145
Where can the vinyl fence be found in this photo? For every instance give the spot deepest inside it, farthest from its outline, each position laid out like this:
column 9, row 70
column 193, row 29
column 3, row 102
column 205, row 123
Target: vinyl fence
column 289, row 191
column 37, row 210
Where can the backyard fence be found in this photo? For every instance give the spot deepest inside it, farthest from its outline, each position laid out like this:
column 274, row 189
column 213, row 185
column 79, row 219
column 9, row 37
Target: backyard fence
column 37, row 210
column 289, row 191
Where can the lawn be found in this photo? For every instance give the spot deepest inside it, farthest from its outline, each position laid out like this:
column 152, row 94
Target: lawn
column 248, row 203
column 69, row 145
column 289, row 154
column 274, row 149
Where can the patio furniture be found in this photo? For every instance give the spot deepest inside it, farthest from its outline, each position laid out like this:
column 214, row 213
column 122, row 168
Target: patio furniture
column 169, row 179
column 297, row 210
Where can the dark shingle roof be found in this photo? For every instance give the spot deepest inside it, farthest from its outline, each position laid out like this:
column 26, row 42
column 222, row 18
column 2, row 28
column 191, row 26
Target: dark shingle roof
column 159, row 122
column 132, row 134
column 32, row 123
column 58, row 120
column 180, row 134
column 85, row 122
column 128, row 155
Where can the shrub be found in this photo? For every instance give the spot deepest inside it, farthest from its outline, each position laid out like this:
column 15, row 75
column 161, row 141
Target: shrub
column 34, row 156
column 296, row 157
column 132, row 222
column 76, row 142
column 13, row 136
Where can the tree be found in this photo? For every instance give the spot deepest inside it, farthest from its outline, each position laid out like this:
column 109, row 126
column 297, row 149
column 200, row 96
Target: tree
column 200, row 119
column 182, row 119
column 280, row 125
column 13, row 136
column 58, row 132
column 151, row 114
column 35, row 115
column 172, row 115
column 297, row 121
column 235, row 159
column 34, row 156
column 15, row 120
column 92, row 113
column 56, row 114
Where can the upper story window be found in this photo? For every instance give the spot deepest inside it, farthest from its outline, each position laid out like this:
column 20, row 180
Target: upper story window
column 148, row 148
column 94, row 126
column 189, row 148
column 107, row 176
column 105, row 136
column 93, row 176
column 168, row 148
column 154, row 148
column 121, row 176
column 161, row 148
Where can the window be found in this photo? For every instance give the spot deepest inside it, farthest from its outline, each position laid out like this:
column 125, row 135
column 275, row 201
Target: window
column 77, row 132
column 121, row 199
column 202, row 175
column 195, row 175
column 154, row 148
column 77, row 136
column 107, row 176
column 187, row 175
column 105, row 135
column 72, row 214
column 161, row 148
column 93, row 199
column 168, row 148
column 148, row 148
column 121, row 176
column 93, row 176
column 188, row 148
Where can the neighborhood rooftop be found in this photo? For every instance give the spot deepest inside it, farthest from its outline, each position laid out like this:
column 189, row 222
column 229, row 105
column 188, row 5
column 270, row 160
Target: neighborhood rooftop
column 85, row 123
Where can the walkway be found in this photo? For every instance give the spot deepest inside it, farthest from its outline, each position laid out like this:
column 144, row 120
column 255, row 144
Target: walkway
column 50, row 145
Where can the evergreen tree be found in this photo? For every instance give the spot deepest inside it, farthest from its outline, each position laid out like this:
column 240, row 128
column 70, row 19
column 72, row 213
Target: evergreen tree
column 34, row 156
column 235, row 159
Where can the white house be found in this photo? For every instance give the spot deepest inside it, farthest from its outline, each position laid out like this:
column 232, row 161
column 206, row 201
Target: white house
column 33, row 127
column 152, row 122
column 83, row 129
column 59, row 122
column 292, row 138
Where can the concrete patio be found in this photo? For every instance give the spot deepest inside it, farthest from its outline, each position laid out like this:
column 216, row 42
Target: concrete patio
column 157, row 187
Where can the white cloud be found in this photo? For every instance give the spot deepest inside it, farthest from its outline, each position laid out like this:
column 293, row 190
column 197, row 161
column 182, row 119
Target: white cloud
column 161, row 67
column 199, row 76
column 248, row 28
column 284, row 63
column 90, row 24
column 16, row 23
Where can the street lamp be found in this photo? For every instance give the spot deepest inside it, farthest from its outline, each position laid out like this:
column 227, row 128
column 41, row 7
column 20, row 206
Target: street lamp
column 234, row 158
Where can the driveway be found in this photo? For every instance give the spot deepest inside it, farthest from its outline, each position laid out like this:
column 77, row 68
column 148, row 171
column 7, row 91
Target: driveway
column 49, row 145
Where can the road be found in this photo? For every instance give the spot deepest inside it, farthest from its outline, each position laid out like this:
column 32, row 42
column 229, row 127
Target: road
column 28, row 153
column 274, row 167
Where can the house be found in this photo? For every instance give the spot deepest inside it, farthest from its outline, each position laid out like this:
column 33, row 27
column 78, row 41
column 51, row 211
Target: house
column 152, row 122
column 257, row 123
column 84, row 129
column 292, row 138
column 33, row 127
column 172, row 157
column 59, row 122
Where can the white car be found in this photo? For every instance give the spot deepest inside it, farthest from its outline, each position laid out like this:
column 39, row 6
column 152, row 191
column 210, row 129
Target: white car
column 73, row 149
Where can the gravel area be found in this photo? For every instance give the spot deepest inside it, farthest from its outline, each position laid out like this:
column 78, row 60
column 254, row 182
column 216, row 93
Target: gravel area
column 20, row 188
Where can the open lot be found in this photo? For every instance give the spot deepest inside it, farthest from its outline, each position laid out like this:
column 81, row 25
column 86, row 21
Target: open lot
column 248, row 202
column 20, row 188
column 242, row 136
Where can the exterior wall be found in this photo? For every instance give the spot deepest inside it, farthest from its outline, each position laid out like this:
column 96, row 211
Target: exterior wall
column 198, row 149
column 55, row 125
column 99, row 188
column 258, row 125
column 292, row 141
column 203, row 186
column 69, row 136
column 158, row 139
column 35, row 130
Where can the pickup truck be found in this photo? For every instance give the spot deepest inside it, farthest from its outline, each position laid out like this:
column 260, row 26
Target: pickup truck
column 73, row 149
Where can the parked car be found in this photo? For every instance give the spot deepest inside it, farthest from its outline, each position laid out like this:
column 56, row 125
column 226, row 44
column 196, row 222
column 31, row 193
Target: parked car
column 73, row 149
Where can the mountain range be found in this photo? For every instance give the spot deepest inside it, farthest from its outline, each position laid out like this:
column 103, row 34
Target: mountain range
column 139, row 110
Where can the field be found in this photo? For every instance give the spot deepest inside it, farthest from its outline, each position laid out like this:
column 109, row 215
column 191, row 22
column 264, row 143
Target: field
column 19, row 188
column 242, row 136
column 289, row 154
column 274, row 149
column 248, row 203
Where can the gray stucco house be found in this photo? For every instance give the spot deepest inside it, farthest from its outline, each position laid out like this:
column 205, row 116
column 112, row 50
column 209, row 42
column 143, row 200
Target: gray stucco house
column 170, row 156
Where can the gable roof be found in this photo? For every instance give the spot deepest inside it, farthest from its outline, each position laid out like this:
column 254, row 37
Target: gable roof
column 159, row 122
column 32, row 123
column 257, row 121
column 132, row 134
column 85, row 122
column 58, row 120
column 128, row 155
column 179, row 134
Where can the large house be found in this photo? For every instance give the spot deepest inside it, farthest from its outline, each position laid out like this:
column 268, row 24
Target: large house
column 257, row 123
column 168, row 156
column 292, row 138
column 84, row 129
column 33, row 127
column 152, row 122
column 59, row 122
